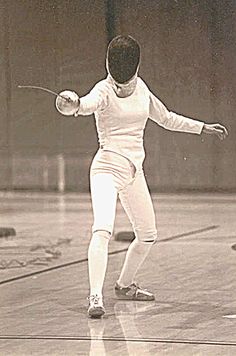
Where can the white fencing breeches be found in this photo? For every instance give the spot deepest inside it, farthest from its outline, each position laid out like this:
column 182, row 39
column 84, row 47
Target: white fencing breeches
column 112, row 175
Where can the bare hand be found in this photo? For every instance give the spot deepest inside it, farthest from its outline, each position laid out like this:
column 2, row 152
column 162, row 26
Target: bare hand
column 215, row 129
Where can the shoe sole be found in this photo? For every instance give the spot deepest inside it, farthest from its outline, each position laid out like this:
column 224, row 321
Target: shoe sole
column 96, row 312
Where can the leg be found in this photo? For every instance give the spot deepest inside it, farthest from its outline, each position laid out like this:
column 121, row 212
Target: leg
column 97, row 261
column 137, row 203
column 104, row 196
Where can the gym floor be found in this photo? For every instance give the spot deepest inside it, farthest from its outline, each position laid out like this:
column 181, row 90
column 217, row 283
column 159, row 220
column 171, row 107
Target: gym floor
column 44, row 279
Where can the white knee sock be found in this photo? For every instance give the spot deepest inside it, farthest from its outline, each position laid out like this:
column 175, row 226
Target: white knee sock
column 97, row 261
column 136, row 254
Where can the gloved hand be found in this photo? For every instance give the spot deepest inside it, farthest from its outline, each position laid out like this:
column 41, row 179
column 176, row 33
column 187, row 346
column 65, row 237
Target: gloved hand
column 67, row 102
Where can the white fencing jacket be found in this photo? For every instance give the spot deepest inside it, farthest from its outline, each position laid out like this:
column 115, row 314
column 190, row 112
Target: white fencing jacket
column 121, row 122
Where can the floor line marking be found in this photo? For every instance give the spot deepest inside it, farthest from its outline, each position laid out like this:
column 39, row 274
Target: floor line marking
column 68, row 264
column 185, row 234
column 108, row 338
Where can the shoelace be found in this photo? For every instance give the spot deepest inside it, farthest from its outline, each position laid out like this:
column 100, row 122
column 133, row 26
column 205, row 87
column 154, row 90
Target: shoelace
column 133, row 289
column 93, row 298
column 136, row 288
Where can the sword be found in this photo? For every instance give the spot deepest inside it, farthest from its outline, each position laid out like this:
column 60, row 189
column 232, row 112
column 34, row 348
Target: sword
column 44, row 89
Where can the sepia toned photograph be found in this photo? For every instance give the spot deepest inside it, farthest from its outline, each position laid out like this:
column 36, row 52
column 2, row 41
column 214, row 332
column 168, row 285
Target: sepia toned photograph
column 118, row 178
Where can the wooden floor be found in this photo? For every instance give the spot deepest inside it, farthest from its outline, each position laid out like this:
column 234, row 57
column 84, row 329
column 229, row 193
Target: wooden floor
column 44, row 280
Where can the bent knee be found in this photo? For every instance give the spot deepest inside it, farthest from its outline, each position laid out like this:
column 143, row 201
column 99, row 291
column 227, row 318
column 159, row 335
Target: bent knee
column 101, row 227
column 99, row 241
column 102, row 234
column 147, row 238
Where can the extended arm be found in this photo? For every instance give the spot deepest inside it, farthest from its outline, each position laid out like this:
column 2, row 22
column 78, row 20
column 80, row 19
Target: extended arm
column 95, row 100
column 68, row 102
column 175, row 122
column 170, row 120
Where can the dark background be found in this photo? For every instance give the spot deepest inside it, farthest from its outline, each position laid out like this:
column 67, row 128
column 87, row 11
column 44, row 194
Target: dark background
column 188, row 61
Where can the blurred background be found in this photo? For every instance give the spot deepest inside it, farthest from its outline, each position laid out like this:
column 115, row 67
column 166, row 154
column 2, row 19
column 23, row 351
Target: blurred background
column 188, row 61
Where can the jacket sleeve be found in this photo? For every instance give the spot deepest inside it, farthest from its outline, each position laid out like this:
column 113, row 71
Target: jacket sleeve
column 95, row 100
column 170, row 120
